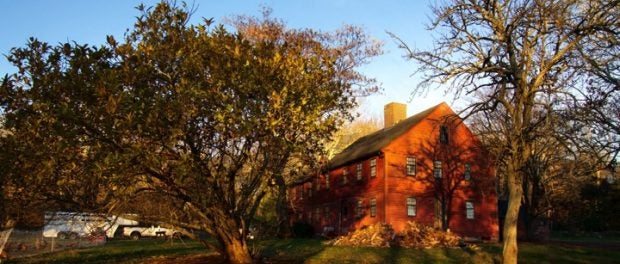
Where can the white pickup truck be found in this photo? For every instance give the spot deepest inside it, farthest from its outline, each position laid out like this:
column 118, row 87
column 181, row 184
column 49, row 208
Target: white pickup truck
column 137, row 232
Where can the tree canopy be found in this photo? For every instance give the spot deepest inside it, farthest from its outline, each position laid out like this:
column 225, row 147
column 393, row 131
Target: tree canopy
column 199, row 116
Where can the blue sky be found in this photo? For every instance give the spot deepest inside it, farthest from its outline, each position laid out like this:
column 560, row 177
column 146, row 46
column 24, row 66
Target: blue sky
column 89, row 22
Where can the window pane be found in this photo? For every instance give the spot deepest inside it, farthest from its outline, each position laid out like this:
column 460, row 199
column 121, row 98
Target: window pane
column 411, row 206
column 437, row 169
column 359, row 209
column 373, row 167
column 443, row 135
column 358, row 171
column 411, row 166
column 469, row 210
column 373, row 207
column 326, row 181
column 467, row 171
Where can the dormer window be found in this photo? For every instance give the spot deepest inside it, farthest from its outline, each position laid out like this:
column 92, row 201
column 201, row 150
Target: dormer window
column 443, row 134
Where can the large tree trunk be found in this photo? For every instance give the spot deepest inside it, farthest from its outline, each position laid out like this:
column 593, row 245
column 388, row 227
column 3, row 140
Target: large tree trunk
column 515, row 192
column 282, row 210
column 236, row 249
column 445, row 217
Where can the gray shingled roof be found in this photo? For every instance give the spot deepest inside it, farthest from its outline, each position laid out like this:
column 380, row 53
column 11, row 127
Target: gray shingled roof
column 371, row 144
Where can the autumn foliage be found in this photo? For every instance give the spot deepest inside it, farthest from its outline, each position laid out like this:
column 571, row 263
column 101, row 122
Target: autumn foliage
column 413, row 236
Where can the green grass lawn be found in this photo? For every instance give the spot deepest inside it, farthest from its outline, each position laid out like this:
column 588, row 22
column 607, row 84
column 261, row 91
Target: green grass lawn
column 597, row 238
column 315, row 251
column 118, row 251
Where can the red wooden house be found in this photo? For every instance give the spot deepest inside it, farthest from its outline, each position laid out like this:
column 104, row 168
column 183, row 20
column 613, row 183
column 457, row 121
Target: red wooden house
column 428, row 168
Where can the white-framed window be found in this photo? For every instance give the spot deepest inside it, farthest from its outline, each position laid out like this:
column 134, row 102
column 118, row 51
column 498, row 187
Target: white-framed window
column 326, row 213
column 410, row 166
column 327, row 181
column 469, row 210
column 359, row 209
column 345, row 176
column 411, row 206
column 358, row 171
column 373, row 207
column 373, row 167
column 467, row 173
column 437, row 169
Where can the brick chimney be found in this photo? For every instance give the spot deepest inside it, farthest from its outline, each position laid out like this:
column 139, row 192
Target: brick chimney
column 394, row 113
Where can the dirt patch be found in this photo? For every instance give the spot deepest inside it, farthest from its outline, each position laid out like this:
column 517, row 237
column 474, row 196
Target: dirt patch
column 191, row 259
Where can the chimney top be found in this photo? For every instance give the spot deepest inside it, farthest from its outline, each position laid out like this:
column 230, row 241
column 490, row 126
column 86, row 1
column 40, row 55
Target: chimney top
column 393, row 113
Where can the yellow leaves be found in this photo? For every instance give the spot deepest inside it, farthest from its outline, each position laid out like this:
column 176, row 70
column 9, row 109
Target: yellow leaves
column 237, row 51
column 112, row 104
column 277, row 58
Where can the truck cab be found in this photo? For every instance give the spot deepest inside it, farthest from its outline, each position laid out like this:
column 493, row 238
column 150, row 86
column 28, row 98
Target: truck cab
column 137, row 232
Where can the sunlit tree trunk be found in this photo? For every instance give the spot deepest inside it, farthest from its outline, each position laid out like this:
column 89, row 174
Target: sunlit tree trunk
column 519, row 152
column 510, row 223
column 237, row 250
column 234, row 245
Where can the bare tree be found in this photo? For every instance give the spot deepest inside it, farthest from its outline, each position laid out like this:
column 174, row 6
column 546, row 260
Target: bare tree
column 556, row 166
column 521, row 54
column 462, row 161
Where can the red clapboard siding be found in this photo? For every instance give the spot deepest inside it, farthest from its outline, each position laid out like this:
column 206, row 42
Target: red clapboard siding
column 391, row 186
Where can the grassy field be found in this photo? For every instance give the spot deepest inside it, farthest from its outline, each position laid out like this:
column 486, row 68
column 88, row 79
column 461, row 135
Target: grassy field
column 119, row 251
column 315, row 251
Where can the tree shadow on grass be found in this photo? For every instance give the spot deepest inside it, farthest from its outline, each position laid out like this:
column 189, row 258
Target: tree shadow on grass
column 288, row 250
column 116, row 252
